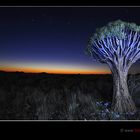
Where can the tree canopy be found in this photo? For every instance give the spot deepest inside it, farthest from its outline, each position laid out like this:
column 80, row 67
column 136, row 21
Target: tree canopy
column 118, row 39
column 116, row 29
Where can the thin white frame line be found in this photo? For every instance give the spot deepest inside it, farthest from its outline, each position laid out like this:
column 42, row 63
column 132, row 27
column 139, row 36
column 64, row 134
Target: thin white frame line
column 70, row 6
column 73, row 120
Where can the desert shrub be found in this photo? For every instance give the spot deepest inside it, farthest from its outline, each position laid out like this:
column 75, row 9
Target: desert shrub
column 51, row 106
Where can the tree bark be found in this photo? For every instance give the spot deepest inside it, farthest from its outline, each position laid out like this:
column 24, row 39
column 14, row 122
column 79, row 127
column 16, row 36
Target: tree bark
column 122, row 100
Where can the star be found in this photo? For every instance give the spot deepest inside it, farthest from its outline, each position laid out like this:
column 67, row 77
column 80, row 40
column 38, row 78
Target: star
column 43, row 15
column 50, row 20
column 33, row 20
column 126, row 11
column 68, row 22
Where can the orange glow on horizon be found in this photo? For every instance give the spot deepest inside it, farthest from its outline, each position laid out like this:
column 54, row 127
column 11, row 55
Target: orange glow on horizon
column 53, row 71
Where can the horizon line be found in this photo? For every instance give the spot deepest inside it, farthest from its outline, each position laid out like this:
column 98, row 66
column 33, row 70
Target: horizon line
column 55, row 73
column 61, row 73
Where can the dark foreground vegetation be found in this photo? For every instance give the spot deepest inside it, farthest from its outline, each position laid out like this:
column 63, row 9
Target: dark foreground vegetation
column 27, row 96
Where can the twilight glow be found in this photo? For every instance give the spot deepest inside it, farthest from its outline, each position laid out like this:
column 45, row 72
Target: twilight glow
column 53, row 68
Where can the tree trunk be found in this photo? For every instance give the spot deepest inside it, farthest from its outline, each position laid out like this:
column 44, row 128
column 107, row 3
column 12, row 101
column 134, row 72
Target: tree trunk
column 122, row 100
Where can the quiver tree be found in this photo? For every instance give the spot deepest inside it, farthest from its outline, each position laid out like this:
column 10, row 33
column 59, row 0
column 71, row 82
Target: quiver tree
column 118, row 45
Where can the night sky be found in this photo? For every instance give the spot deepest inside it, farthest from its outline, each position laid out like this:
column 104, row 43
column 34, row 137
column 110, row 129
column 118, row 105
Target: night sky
column 53, row 39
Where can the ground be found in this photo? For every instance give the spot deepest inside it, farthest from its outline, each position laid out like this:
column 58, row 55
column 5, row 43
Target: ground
column 27, row 96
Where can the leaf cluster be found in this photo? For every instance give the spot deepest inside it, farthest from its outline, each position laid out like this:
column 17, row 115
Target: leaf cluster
column 115, row 29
